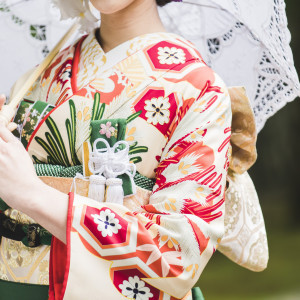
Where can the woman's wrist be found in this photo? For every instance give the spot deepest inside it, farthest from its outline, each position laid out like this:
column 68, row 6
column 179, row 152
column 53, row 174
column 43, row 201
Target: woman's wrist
column 48, row 207
column 25, row 197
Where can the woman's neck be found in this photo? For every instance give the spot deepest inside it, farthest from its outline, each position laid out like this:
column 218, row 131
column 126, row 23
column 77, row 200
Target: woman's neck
column 140, row 17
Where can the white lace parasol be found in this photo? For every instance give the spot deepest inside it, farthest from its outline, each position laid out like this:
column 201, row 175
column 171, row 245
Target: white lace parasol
column 245, row 41
column 28, row 30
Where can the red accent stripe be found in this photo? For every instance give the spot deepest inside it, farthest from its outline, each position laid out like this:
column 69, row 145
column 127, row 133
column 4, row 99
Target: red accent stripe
column 158, row 220
column 213, row 217
column 211, row 102
column 148, row 225
column 195, row 208
column 224, row 144
column 75, row 65
column 194, row 177
column 204, row 90
column 227, row 130
column 150, row 216
column 205, row 172
column 209, row 179
column 214, row 195
column 60, row 257
column 216, row 182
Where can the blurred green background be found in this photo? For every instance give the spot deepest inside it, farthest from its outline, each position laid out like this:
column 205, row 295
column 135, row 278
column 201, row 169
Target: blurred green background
column 276, row 175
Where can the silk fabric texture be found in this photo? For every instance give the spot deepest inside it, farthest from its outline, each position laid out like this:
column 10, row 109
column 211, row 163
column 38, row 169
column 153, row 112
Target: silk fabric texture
column 140, row 70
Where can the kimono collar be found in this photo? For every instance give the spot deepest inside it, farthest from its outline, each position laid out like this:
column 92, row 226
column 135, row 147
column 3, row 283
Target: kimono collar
column 93, row 60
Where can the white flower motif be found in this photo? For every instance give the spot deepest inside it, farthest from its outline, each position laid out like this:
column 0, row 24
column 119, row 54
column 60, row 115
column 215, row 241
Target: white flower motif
column 107, row 223
column 135, row 288
column 34, row 113
column 169, row 56
column 107, row 129
column 157, row 110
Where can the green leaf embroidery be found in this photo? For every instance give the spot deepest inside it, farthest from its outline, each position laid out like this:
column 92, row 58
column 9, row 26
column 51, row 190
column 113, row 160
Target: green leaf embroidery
column 98, row 110
column 134, row 148
column 136, row 159
column 140, row 149
column 133, row 145
column 36, row 160
column 51, row 161
column 54, row 147
column 71, row 131
column 46, row 147
column 57, row 136
column 101, row 112
column 133, row 116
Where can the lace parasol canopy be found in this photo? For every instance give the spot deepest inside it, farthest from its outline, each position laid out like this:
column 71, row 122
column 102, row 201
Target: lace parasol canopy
column 29, row 29
column 246, row 42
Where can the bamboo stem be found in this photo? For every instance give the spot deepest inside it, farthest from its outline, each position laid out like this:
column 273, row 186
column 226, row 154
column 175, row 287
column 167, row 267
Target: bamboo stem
column 8, row 111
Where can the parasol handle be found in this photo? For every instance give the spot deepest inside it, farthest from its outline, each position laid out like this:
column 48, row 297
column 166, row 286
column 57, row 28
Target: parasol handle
column 8, row 111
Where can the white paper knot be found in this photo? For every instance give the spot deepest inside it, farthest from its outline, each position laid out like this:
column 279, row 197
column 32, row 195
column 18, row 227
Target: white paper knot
column 111, row 162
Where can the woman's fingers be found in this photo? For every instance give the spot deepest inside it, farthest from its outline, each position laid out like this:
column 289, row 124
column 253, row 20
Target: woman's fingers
column 2, row 144
column 12, row 126
column 2, row 100
column 7, row 113
column 6, row 135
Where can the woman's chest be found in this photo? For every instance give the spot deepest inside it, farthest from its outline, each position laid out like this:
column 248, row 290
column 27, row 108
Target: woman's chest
column 130, row 90
column 57, row 138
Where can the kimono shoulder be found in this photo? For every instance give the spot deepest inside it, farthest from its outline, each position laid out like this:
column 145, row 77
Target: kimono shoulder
column 152, row 56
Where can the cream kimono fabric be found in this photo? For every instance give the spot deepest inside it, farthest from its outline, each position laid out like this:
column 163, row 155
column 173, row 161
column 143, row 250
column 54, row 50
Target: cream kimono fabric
column 178, row 115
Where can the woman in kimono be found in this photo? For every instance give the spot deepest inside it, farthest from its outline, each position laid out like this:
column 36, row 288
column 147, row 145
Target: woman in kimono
column 131, row 97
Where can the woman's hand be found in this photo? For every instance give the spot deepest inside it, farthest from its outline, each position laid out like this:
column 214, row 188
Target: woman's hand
column 18, row 178
column 16, row 169
column 11, row 126
column 21, row 188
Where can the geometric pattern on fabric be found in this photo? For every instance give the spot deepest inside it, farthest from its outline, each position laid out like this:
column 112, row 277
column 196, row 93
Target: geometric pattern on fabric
column 178, row 131
column 91, row 230
column 57, row 170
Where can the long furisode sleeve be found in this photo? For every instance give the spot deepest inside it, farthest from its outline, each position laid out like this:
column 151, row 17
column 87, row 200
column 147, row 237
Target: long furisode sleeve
column 160, row 250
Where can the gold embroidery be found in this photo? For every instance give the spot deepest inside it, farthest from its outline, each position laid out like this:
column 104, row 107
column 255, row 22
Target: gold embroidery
column 20, row 263
column 3, row 275
column 44, row 273
column 23, row 263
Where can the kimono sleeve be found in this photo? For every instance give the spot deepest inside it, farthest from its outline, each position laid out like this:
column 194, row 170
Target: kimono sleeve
column 159, row 251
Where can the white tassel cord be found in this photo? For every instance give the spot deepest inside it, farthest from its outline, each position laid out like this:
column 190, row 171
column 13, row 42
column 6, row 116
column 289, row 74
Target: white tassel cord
column 97, row 188
column 78, row 176
column 114, row 192
column 112, row 162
